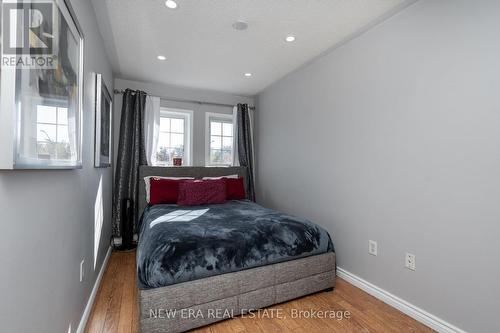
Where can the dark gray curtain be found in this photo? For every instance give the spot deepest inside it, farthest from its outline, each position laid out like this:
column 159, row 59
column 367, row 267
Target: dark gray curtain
column 245, row 146
column 131, row 154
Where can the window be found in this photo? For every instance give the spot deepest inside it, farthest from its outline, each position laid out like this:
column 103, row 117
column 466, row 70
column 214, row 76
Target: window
column 52, row 138
column 174, row 139
column 220, row 139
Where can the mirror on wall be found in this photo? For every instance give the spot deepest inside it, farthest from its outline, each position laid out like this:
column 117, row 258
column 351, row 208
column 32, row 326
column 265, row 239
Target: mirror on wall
column 103, row 123
column 41, row 86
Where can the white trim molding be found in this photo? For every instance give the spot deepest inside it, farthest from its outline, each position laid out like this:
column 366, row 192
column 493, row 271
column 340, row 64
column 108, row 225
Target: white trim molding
column 407, row 308
column 90, row 302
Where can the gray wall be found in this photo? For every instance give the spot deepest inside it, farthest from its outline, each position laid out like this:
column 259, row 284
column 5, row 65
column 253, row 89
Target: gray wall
column 48, row 222
column 394, row 137
column 199, row 110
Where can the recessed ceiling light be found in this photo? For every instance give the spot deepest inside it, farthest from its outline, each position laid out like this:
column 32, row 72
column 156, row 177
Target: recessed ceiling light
column 171, row 4
column 248, row 74
column 160, row 57
column 290, row 38
column 240, row 25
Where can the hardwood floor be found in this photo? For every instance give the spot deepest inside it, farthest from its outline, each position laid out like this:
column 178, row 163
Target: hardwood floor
column 115, row 309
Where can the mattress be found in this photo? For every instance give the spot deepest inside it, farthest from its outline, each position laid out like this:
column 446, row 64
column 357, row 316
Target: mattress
column 180, row 244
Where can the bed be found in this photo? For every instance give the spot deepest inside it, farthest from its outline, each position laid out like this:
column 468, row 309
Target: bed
column 200, row 264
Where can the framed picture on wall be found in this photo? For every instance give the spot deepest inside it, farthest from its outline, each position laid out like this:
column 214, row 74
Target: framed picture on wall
column 41, row 82
column 103, row 111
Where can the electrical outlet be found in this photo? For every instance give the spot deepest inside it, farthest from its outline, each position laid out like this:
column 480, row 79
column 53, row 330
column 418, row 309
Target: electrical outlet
column 82, row 271
column 372, row 247
column 410, row 261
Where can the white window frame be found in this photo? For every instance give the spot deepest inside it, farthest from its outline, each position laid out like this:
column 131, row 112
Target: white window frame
column 224, row 117
column 187, row 115
column 57, row 124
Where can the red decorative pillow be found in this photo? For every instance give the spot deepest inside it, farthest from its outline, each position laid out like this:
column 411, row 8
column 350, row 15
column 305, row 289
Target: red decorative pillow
column 235, row 189
column 202, row 192
column 163, row 191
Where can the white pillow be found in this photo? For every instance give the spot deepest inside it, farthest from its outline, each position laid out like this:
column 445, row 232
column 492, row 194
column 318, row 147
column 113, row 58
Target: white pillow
column 147, row 182
column 229, row 176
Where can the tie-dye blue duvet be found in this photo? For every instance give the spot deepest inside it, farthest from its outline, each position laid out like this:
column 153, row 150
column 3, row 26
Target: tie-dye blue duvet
column 179, row 244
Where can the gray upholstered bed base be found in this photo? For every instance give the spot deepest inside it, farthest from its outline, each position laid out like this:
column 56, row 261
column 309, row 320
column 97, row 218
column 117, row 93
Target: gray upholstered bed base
column 201, row 302
column 204, row 301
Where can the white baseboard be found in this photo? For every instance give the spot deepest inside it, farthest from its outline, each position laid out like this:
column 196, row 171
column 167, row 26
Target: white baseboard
column 409, row 309
column 90, row 303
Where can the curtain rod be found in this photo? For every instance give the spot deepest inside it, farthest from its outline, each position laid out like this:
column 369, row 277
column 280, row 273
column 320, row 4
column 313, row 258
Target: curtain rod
column 121, row 91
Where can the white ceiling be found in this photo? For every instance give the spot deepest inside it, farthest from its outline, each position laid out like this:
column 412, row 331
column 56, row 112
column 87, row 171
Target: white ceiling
column 204, row 51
